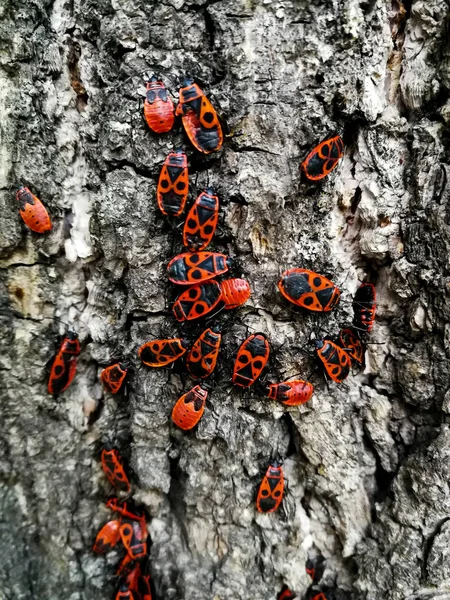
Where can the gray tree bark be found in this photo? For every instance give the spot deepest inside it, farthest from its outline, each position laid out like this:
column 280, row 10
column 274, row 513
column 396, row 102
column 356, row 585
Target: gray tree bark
column 367, row 461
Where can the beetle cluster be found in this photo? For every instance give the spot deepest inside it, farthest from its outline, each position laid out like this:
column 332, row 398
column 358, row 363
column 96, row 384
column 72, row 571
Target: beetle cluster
column 130, row 528
column 197, row 272
column 315, row 292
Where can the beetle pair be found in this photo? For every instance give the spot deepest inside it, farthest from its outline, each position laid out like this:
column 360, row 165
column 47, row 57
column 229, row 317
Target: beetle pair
column 201, row 358
column 200, row 120
column 337, row 358
column 130, row 527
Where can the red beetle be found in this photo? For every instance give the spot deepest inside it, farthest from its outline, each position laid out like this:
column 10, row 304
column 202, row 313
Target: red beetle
column 32, row 211
column 189, row 409
column 195, row 267
column 113, row 377
column 202, row 357
column 336, row 360
column 286, row 594
column 235, row 292
column 159, row 111
column 112, row 465
column 197, row 301
column 173, row 184
column 291, row 393
column 201, row 222
column 309, row 290
column 271, row 490
column 107, row 537
column 364, row 307
column 323, row 159
column 199, row 118
column 160, row 353
column 64, row 364
column 251, row 359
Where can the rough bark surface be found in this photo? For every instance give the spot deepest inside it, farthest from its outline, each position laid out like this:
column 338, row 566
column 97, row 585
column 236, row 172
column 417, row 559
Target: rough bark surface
column 367, row 461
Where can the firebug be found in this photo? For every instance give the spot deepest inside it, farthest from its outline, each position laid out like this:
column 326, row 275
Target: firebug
column 286, row 594
column 189, row 409
column 251, row 359
column 32, row 211
column 107, row 537
column 112, row 465
column 113, row 377
column 349, row 339
column 64, row 364
column 235, row 292
column 291, row 393
column 159, row 111
column 336, row 360
column 134, row 535
column 202, row 357
column 201, row 222
column 309, row 290
column 173, row 184
column 323, row 159
column 195, row 267
column 364, row 307
column 271, row 490
column 199, row 118
column 197, row 301
column 160, row 353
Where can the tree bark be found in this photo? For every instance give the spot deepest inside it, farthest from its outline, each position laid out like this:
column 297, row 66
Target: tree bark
column 367, row 461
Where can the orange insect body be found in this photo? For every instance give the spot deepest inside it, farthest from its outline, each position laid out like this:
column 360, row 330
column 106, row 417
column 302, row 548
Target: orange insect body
column 33, row 212
column 134, row 535
column 349, row 339
column 199, row 118
column 197, row 301
column 201, row 222
column 291, row 393
column 251, row 359
column 189, row 409
column 235, row 292
column 173, row 184
column 64, row 365
column 107, row 537
column 195, row 267
column 364, row 307
column 125, row 566
column 286, row 594
column 113, row 467
column 270, row 493
column 323, row 159
column 113, row 377
column 202, row 357
column 159, row 111
column 335, row 359
column 309, row 290
column 160, row 353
